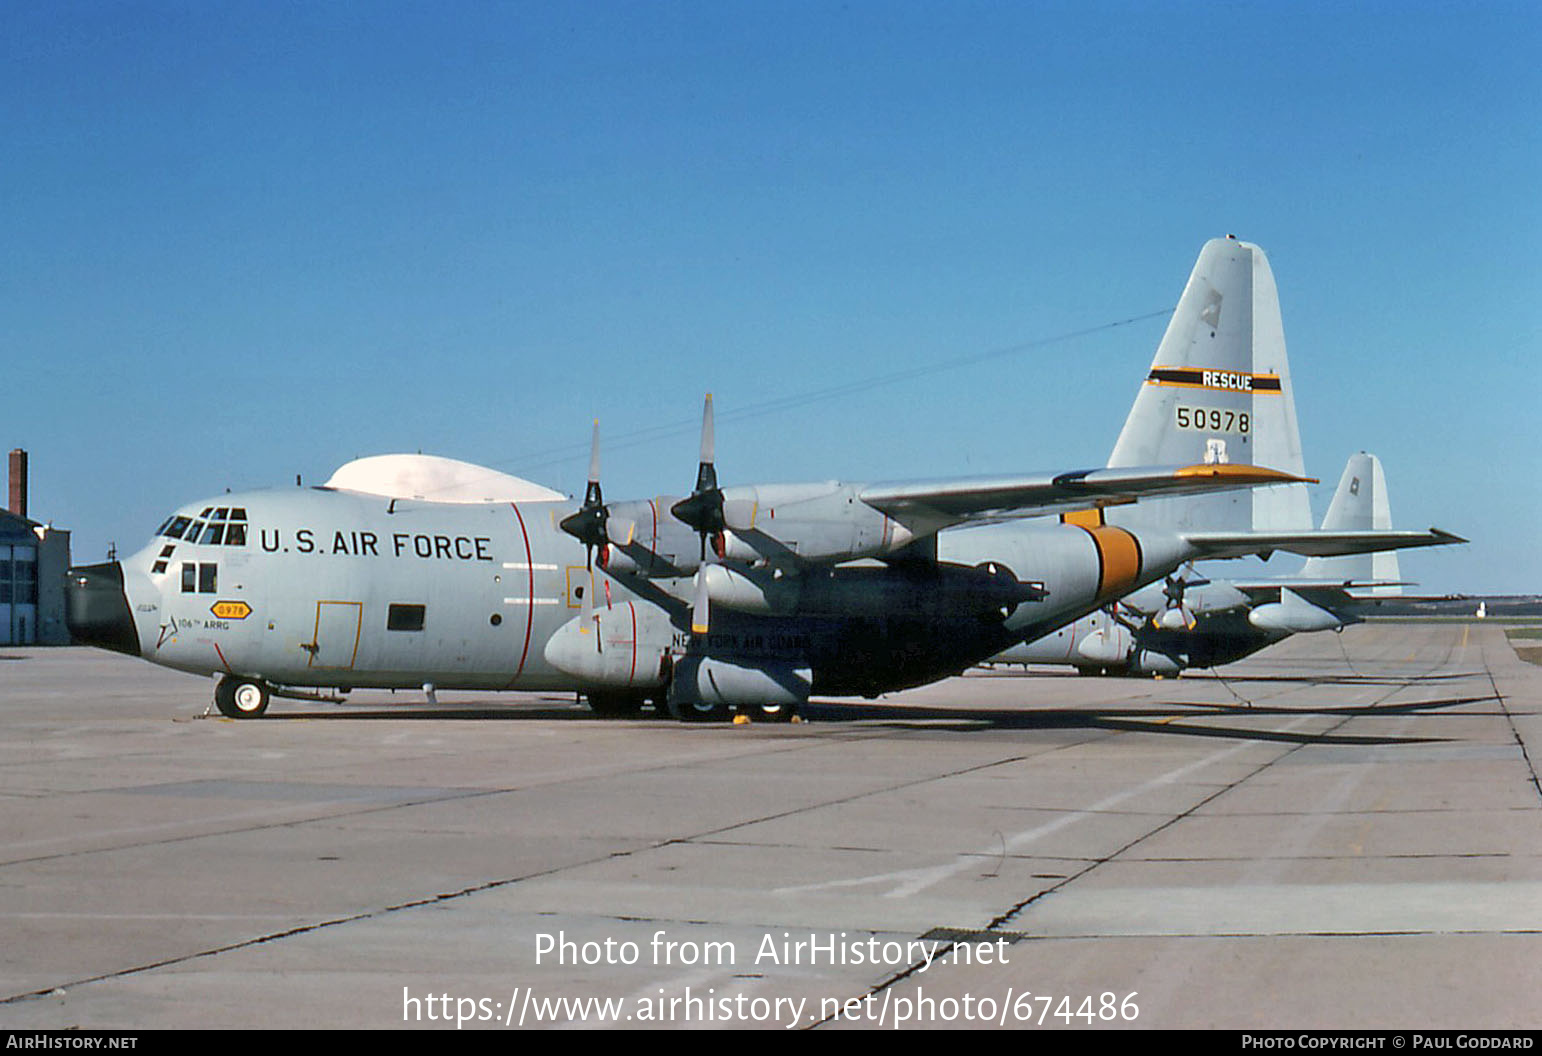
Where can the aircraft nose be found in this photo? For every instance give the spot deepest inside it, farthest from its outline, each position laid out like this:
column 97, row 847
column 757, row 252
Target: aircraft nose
column 96, row 608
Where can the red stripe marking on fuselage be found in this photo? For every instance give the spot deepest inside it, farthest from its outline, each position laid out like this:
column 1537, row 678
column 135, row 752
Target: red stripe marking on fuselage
column 633, row 676
column 530, row 608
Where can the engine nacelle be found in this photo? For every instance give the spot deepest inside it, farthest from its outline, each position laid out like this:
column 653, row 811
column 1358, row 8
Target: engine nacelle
column 1293, row 614
column 645, row 539
column 813, row 522
column 823, row 523
column 1214, row 597
column 1147, row 662
column 1108, row 645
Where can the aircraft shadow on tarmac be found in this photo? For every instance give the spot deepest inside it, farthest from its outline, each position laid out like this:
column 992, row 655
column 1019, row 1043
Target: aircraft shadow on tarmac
column 548, row 708
column 1160, row 718
column 1332, row 680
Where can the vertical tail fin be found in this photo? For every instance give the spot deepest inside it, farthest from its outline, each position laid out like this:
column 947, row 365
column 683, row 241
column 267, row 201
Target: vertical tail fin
column 1359, row 504
column 1219, row 390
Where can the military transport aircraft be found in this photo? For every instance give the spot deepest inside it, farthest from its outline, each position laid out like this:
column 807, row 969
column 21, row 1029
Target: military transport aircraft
column 1187, row 621
column 412, row 571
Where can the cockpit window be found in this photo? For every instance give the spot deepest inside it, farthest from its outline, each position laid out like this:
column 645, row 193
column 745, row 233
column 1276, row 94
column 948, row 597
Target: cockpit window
column 225, row 526
column 235, row 529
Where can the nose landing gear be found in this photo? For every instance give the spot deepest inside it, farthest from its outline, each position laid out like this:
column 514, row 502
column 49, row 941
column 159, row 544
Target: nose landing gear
column 241, row 698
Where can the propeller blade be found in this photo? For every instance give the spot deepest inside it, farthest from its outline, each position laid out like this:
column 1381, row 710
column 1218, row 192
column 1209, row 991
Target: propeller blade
column 706, row 474
column 594, row 463
column 701, row 604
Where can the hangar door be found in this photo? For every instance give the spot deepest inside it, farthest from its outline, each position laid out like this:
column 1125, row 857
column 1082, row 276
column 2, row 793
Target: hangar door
column 18, row 595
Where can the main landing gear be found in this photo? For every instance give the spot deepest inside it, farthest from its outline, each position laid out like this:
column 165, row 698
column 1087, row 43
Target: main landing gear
column 241, row 698
column 618, row 705
column 615, row 705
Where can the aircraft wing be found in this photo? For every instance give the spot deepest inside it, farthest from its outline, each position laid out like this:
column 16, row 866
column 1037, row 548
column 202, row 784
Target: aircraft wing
column 1314, row 543
column 930, row 505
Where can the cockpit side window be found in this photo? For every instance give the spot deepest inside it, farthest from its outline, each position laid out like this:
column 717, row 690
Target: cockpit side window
column 174, row 527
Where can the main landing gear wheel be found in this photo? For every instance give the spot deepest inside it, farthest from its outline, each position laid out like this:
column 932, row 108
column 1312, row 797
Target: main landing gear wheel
column 615, row 705
column 772, row 712
column 241, row 698
column 698, row 711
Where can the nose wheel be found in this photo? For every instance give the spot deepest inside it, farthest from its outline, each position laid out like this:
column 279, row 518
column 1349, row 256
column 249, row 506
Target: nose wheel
column 241, row 698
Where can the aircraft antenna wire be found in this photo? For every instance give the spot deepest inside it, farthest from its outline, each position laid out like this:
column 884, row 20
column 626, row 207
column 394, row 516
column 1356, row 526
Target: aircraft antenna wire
column 648, row 434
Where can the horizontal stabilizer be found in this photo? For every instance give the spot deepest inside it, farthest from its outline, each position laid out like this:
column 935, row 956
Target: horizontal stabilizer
column 1314, row 544
column 1302, row 584
column 1335, row 597
column 930, row 505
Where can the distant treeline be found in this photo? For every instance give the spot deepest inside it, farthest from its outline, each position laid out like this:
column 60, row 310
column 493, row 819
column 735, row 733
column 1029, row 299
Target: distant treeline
column 1458, row 605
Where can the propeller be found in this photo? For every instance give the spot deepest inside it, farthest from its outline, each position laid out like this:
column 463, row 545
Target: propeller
column 703, row 508
column 1173, row 588
column 703, row 511
column 1176, row 615
column 587, row 523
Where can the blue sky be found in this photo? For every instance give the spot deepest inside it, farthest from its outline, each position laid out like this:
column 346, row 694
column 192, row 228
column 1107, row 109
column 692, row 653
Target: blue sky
column 250, row 240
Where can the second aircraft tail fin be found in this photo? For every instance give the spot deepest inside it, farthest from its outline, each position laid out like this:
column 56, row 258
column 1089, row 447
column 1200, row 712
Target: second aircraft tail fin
column 1359, row 504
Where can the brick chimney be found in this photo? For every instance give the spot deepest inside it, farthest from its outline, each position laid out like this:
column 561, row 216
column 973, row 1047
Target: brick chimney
column 18, row 503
